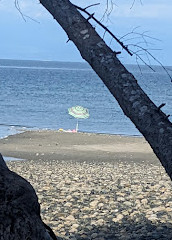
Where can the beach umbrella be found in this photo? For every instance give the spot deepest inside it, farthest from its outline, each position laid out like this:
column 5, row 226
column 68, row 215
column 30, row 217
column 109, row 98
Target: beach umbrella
column 78, row 112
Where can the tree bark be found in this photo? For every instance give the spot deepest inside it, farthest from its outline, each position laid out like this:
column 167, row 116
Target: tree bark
column 19, row 208
column 146, row 116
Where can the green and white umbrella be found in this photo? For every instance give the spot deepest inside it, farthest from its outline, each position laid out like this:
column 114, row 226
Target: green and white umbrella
column 78, row 112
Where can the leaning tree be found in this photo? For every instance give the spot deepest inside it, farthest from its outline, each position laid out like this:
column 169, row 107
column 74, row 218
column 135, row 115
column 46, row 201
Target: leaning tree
column 136, row 105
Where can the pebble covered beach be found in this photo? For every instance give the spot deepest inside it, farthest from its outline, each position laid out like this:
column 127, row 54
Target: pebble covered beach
column 101, row 200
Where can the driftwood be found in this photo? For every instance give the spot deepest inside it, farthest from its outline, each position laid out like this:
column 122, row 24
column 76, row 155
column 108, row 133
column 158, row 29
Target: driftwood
column 19, row 209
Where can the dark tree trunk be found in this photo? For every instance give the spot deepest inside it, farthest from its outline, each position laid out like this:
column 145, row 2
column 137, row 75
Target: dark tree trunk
column 148, row 119
column 19, row 208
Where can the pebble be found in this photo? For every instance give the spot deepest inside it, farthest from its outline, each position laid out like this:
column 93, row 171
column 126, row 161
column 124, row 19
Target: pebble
column 101, row 201
column 70, row 218
column 94, row 235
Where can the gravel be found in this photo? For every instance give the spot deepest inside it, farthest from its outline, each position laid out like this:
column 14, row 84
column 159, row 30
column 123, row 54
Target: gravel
column 101, row 200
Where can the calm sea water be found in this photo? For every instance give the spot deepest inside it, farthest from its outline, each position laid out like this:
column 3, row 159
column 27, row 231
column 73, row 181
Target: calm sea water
column 37, row 95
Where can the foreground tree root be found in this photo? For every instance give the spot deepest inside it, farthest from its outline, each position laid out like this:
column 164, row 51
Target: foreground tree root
column 19, row 209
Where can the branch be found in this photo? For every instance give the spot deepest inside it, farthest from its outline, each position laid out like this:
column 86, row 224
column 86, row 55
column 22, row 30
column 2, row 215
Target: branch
column 95, row 4
column 141, row 49
column 108, row 10
column 162, row 105
column 105, row 28
column 23, row 15
column 134, row 3
column 18, row 8
column 139, row 34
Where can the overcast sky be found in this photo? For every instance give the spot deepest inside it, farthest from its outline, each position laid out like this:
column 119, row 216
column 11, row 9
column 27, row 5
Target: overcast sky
column 43, row 39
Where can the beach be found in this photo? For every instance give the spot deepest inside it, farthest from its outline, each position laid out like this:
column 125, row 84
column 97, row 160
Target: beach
column 94, row 186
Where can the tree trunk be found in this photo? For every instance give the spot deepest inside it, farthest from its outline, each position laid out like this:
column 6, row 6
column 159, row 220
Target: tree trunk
column 148, row 119
column 19, row 208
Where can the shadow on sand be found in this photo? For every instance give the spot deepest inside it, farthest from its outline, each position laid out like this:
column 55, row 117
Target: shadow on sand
column 127, row 230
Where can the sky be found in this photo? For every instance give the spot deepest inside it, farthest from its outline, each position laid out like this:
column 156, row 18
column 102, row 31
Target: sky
column 39, row 37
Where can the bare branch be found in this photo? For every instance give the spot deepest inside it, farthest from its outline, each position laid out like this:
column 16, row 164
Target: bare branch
column 108, row 10
column 139, row 34
column 134, row 3
column 18, row 8
column 95, row 4
column 104, row 34
column 148, row 54
column 142, row 48
column 16, row 2
column 138, row 65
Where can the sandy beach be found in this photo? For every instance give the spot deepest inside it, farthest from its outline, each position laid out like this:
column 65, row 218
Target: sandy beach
column 94, row 186
column 50, row 145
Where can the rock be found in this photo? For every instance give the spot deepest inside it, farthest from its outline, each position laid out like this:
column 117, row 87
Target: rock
column 120, row 216
column 125, row 213
column 75, row 225
column 152, row 217
column 100, row 222
column 73, row 230
column 94, row 235
column 70, row 218
column 144, row 201
column 69, row 197
column 168, row 209
column 129, row 204
column 60, row 226
column 115, row 220
column 93, row 203
column 120, row 199
column 100, row 205
column 140, row 196
column 68, row 204
column 84, row 236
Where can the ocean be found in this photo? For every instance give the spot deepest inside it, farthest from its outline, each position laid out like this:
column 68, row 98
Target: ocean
column 37, row 94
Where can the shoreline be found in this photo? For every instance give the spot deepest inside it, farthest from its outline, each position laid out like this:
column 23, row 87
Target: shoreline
column 17, row 129
column 51, row 145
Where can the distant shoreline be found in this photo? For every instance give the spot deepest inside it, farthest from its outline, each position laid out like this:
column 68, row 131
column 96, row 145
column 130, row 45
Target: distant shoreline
column 77, row 62
column 17, row 129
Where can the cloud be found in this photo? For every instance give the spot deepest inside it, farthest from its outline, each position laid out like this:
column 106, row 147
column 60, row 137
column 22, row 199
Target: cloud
column 125, row 9
column 144, row 11
column 30, row 8
column 121, row 8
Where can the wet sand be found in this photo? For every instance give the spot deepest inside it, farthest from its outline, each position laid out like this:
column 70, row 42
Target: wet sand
column 77, row 146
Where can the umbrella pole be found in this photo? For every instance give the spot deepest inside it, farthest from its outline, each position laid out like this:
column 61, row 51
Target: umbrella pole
column 77, row 126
